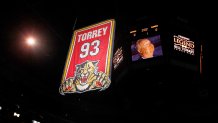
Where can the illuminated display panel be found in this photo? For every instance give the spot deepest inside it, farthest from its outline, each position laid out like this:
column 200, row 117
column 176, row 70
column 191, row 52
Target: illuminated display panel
column 145, row 41
column 118, row 57
column 183, row 44
column 147, row 47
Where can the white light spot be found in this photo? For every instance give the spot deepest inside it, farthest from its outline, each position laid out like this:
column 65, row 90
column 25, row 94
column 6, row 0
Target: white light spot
column 34, row 121
column 31, row 41
column 16, row 114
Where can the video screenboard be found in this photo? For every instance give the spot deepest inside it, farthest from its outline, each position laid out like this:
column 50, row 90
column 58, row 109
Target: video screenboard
column 145, row 40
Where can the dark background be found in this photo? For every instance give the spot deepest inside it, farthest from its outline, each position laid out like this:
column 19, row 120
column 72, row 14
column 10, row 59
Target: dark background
column 30, row 78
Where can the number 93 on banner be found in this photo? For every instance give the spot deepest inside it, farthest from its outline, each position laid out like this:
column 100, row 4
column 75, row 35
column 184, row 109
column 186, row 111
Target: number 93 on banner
column 88, row 65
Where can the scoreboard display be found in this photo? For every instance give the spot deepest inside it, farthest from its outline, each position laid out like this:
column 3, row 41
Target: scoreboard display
column 146, row 42
column 183, row 44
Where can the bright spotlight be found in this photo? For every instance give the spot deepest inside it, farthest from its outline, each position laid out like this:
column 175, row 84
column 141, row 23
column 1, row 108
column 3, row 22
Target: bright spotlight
column 16, row 114
column 34, row 121
column 31, row 41
column 0, row 108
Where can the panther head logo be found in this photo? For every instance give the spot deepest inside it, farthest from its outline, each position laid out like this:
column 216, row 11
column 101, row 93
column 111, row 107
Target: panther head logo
column 84, row 72
column 86, row 78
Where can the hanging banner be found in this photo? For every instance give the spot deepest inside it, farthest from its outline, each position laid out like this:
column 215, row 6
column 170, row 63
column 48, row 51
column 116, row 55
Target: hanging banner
column 88, row 65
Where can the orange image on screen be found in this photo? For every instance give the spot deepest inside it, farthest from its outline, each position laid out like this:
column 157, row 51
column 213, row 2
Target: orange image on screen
column 145, row 48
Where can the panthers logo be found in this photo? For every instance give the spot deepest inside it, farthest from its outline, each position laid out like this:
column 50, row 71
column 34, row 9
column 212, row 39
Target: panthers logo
column 86, row 78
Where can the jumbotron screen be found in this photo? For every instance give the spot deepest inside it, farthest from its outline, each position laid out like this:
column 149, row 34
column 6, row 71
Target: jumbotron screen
column 146, row 43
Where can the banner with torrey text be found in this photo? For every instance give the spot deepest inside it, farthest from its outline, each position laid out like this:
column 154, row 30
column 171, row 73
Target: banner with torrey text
column 88, row 64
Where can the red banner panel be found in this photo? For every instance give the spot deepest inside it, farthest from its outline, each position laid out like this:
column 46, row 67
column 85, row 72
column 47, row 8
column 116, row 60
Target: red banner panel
column 88, row 64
